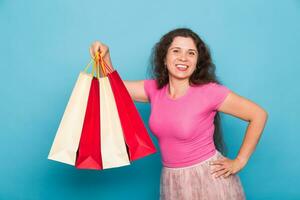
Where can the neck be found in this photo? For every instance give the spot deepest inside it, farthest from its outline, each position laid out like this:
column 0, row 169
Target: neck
column 177, row 87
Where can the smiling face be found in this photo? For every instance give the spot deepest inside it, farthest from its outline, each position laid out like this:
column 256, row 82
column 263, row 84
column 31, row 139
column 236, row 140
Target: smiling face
column 181, row 58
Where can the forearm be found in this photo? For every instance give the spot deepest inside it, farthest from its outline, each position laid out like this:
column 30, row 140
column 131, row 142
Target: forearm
column 252, row 136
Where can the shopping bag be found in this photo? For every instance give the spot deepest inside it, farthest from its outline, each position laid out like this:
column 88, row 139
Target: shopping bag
column 136, row 137
column 65, row 144
column 113, row 146
column 101, row 127
column 88, row 154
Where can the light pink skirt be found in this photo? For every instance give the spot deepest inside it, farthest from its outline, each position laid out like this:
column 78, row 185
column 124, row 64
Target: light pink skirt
column 196, row 183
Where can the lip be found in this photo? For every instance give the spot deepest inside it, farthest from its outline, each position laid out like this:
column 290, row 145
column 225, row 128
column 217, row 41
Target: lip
column 182, row 64
column 181, row 69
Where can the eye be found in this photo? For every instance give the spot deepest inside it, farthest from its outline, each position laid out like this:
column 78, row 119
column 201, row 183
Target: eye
column 175, row 51
column 192, row 53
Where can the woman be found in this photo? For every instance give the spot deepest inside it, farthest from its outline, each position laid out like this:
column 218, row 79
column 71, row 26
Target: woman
column 185, row 99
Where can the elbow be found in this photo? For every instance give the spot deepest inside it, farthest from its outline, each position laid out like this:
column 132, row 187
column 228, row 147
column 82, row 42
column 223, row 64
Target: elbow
column 259, row 115
column 263, row 115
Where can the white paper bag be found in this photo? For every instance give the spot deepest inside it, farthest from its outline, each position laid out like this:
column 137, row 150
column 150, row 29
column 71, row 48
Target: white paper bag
column 67, row 138
column 113, row 147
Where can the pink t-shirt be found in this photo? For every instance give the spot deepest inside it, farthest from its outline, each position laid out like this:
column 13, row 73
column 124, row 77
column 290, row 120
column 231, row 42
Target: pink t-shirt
column 184, row 126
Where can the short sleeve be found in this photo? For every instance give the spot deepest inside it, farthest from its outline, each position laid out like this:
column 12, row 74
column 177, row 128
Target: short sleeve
column 217, row 94
column 150, row 87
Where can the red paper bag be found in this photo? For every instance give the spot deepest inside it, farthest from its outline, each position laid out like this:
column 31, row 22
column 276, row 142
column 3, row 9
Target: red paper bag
column 135, row 133
column 88, row 154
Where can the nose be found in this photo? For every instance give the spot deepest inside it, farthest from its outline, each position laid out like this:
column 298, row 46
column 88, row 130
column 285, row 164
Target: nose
column 182, row 57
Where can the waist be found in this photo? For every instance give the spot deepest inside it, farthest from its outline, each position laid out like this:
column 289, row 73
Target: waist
column 194, row 163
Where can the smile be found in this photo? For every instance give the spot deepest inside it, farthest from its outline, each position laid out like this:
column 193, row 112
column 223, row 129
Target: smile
column 181, row 67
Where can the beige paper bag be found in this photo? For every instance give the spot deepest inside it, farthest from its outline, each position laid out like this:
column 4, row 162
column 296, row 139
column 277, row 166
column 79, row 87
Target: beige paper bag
column 67, row 138
column 113, row 147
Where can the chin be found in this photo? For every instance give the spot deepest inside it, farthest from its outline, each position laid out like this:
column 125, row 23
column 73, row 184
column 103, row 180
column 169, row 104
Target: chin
column 180, row 77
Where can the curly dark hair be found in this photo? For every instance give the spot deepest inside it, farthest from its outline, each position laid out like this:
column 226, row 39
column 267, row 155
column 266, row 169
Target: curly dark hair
column 203, row 74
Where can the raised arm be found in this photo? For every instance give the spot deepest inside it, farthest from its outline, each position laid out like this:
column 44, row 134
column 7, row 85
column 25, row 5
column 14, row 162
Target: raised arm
column 135, row 88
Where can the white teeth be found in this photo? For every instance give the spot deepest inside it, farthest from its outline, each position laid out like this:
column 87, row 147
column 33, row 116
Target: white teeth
column 182, row 66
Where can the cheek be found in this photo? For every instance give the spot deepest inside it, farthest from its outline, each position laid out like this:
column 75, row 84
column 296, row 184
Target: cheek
column 169, row 59
column 194, row 65
column 193, row 69
column 194, row 60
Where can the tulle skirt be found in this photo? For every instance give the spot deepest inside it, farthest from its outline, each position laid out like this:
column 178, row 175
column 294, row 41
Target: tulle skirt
column 197, row 183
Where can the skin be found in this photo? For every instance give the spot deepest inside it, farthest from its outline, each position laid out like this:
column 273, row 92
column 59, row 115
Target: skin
column 183, row 51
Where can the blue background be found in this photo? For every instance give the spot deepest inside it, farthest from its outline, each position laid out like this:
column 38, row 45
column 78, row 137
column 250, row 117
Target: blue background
column 44, row 45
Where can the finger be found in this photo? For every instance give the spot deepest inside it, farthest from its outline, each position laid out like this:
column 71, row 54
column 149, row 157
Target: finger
column 216, row 169
column 98, row 48
column 97, row 52
column 221, row 173
column 103, row 53
column 95, row 49
column 96, row 45
column 227, row 174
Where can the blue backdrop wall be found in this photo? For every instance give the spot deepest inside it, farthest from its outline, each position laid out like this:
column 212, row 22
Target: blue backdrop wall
column 44, row 45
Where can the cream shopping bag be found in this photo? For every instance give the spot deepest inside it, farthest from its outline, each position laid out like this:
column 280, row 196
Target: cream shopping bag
column 67, row 138
column 113, row 146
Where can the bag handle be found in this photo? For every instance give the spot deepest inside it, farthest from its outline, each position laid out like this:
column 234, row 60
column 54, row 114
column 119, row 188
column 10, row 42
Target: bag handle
column 98, row 62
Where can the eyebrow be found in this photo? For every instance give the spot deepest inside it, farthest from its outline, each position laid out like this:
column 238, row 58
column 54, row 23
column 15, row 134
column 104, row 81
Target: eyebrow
column 180, row 48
